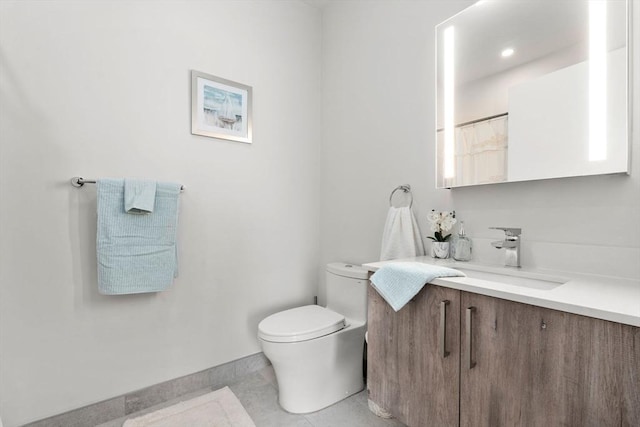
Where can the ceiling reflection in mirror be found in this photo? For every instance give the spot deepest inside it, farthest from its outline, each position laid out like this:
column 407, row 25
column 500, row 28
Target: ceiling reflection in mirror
column 532, row 90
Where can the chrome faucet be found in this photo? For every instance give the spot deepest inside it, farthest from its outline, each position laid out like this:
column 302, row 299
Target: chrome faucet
column 511, row 244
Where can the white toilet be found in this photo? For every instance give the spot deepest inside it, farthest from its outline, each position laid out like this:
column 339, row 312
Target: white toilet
column 316, row 352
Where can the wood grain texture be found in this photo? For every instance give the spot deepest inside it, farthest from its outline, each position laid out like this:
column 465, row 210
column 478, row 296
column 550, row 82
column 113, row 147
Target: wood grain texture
column 630, row 376
column 541, row 367
column 533, row 366
column 407, row 374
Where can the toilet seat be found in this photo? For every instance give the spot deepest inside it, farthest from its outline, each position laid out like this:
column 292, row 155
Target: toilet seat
column 300, row 324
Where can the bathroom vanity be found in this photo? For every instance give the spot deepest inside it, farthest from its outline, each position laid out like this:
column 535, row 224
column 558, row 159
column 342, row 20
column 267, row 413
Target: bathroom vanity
column 515, row 349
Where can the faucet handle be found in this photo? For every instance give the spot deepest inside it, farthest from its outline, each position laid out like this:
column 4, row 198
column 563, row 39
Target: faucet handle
column 509, row 231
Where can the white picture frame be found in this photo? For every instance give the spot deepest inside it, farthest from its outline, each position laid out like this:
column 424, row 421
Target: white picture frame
column 220, row 108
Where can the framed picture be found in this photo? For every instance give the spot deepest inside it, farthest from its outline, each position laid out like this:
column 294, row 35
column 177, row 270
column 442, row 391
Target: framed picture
column 220, row 108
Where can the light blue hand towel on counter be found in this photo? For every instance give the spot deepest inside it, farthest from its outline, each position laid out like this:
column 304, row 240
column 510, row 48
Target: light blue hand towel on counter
column 139, row 196
column 398, row 282
column 136, row 253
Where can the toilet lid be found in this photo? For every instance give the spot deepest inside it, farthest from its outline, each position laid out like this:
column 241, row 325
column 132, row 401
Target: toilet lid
column 300, row 324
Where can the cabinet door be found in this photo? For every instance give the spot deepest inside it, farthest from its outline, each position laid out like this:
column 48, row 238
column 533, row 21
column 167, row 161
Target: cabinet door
column 532, row 366
column 408, row 374
column 630, row 375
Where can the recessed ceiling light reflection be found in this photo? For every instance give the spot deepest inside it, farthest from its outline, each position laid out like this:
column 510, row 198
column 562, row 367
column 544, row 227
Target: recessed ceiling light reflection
column 507, row 52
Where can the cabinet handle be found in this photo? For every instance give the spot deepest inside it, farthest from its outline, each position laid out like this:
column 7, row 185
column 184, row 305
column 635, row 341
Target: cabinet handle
column 443, row 327
column 470, row 361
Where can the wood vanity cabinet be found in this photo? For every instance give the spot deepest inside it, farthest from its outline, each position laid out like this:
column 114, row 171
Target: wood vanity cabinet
column 407, row 372
column 508, row 364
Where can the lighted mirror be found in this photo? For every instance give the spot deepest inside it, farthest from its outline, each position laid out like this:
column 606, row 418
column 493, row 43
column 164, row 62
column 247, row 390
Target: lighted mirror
column 532, row 90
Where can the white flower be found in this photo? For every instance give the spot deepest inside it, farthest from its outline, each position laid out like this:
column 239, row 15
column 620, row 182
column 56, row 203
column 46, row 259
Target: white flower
column 433, row 216
column 447, row 223
column 441, row 222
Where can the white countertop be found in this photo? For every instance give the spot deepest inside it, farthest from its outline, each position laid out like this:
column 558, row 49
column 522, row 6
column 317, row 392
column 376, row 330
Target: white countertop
column 608, row 298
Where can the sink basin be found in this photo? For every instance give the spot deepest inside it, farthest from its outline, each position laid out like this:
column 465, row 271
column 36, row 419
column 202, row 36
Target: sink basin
column 514, row 278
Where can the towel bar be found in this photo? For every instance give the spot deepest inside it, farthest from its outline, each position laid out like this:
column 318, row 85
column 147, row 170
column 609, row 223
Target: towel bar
column 78, row 182
column 407, row 189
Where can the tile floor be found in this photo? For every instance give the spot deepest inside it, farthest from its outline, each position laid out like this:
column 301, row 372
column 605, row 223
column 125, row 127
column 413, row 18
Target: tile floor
column 258, row 392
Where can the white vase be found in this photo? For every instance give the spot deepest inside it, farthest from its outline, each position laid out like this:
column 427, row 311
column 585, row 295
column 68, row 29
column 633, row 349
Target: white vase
column 440, row 249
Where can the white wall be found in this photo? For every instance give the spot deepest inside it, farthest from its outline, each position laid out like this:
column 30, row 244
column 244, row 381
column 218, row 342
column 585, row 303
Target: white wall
column 378, row 119
column 102, row 88
column 379, row 127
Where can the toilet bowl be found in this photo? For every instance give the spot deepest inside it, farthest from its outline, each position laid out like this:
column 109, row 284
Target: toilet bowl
column 317, row 352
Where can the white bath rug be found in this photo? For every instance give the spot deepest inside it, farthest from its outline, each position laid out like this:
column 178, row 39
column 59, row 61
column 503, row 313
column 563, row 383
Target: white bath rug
column 220, row 408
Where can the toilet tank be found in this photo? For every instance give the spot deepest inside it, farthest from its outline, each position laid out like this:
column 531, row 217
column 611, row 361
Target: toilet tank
column 347, row 290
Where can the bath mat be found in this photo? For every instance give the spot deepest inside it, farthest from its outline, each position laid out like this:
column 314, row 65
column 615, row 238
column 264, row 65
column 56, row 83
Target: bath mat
column 220, row 408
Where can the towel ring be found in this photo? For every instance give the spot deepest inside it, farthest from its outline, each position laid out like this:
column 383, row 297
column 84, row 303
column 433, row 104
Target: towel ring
column 405, row 188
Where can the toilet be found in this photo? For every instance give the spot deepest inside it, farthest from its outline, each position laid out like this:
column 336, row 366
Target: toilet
column 317, row 352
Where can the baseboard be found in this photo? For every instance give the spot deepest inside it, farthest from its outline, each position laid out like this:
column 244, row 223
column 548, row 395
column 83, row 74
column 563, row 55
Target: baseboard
column 101, row 412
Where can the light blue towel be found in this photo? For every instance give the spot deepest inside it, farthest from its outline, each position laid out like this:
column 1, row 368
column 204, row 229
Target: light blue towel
column 398, row 282
column 136, row 253
column 139, row 196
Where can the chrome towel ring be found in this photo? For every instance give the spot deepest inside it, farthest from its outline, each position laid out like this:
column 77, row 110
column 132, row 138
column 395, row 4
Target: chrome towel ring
column 406, row 189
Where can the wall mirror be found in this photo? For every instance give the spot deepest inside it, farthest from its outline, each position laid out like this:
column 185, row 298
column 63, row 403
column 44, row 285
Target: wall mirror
column 532, row 89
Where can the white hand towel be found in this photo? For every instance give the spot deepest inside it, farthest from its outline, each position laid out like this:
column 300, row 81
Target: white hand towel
column 401, row 237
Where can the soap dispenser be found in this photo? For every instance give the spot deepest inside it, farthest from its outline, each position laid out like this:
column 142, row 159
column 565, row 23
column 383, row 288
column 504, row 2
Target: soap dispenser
column 462, row 245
